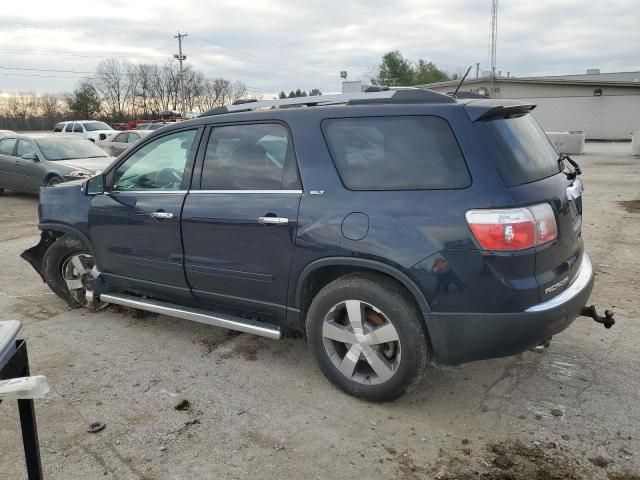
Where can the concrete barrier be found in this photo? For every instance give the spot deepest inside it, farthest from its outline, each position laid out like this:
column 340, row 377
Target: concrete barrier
column 568, row 143
column 635, row 143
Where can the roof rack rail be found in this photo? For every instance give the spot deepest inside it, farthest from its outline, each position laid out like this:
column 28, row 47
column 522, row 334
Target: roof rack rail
column 388, row 96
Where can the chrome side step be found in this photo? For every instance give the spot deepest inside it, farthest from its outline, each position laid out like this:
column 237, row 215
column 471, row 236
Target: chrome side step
column 195, row 315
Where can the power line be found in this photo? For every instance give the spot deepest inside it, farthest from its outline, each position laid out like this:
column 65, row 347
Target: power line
column 41, row 26
column 44, row 70
column 79, row 55
column 33, row 75
column 244, row 55
column 239, row 72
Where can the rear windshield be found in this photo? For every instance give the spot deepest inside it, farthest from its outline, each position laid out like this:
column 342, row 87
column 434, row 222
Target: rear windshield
column 93, row 126
column 527, row 154
column 396, row 153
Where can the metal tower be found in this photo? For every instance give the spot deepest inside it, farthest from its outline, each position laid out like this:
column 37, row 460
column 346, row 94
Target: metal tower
column 494, row 37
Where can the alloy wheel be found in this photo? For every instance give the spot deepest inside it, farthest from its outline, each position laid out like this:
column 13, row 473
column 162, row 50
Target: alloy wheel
column 77, row 270
column 361, row 342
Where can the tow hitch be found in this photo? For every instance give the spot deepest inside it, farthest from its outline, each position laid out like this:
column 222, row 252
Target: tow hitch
column 608, row 321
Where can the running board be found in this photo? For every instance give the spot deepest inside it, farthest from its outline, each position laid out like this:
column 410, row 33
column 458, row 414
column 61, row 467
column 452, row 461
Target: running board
column 195, row 315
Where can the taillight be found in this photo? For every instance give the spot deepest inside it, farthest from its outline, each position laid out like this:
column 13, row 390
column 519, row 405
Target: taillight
column 513, row 228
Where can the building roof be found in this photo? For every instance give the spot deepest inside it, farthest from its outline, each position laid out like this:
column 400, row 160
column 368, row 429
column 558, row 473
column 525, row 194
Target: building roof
column 614, row 79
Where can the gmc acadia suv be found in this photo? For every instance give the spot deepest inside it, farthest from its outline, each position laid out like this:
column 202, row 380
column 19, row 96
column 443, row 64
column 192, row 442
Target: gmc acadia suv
column 395, row 229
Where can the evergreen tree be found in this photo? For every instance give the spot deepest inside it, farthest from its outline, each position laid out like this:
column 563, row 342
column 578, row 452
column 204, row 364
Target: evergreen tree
column 84, row 102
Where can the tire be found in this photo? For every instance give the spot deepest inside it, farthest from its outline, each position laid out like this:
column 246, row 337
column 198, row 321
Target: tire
column 53, row 181
column 381, row 303
column 66, row 266
column 1, row 191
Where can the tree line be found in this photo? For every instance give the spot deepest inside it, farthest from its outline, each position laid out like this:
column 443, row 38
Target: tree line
column 119, row 91
column 397, row 71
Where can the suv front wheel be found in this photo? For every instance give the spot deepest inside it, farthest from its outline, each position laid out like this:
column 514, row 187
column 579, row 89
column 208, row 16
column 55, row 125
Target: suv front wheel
column 366, row 335
column 67, row 267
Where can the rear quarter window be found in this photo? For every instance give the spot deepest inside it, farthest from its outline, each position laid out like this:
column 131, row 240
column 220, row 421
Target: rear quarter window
column 527, row 154
column 396, row 153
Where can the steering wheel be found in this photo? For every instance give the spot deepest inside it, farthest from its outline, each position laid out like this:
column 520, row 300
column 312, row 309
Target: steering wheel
column 167, row 177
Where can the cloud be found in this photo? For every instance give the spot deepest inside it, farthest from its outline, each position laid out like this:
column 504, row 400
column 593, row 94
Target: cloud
column 286, row 44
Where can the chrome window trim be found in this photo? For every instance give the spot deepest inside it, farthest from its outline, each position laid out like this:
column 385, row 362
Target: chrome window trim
column 245, row 191
column 200, row 192
column 143, row 192
column 579, row 284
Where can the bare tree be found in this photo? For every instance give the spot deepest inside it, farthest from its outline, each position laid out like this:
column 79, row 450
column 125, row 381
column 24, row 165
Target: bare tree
column 113, row 83
column 219, row 92
column 143, row 95
column 124, row 91
column 51, row 107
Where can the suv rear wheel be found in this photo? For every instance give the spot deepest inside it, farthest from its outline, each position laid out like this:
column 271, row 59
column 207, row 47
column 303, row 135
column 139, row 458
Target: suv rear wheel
column 366, row 335
column 67, row 266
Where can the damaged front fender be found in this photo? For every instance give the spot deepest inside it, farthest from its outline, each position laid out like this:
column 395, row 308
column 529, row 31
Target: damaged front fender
column 35, row 255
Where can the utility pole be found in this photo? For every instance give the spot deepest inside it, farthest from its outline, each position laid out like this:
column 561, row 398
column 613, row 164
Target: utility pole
column 180, row 57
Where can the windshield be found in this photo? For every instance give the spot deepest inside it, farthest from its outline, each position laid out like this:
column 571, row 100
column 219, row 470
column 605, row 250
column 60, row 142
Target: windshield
column 68, row 148
column 93, row 126
column 527, row 154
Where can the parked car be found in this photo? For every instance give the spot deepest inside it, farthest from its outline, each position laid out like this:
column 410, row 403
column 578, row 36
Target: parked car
column 119, row 142
column 91, row 129
column 28, row 162
column 152, row 126
column 393, row 228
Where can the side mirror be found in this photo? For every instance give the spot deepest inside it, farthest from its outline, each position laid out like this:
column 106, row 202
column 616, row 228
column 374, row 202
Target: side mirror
column 30, row 156
column 94, row 186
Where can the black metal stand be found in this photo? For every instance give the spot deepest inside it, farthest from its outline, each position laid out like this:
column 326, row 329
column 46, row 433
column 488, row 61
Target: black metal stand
column 18, row 366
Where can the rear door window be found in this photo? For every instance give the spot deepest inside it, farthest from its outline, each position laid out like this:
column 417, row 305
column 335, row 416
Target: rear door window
column 69, row 127
column 250, row 157
column 527, row 153
column 396, row 153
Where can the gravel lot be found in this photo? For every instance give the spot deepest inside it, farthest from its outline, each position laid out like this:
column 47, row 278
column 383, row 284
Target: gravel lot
column 260, row 408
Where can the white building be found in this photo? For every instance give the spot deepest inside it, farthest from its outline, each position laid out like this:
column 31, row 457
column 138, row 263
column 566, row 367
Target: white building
column 606, row 106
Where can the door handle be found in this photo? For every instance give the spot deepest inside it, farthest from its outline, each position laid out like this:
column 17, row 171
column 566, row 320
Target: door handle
column 273, row 220
column 162, row 215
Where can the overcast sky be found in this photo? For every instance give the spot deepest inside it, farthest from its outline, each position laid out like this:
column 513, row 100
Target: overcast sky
column 286, row 44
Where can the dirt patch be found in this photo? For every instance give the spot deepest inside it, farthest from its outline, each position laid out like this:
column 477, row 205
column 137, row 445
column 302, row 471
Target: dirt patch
column 246, row 351
column 515, row 460
column 182, row 406
column 263, row 440
column 631, row 206
column 623, row 476
column 131, row 312
column 38, row 308
column 210, row 343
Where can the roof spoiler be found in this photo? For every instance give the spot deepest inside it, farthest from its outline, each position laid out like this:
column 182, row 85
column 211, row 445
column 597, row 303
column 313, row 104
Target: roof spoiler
column 480, row 110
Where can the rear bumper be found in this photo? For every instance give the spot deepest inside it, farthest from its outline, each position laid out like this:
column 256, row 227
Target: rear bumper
column 463, row 337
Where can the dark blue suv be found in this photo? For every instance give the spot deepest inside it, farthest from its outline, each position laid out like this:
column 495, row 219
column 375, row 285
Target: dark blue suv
column 394, row 229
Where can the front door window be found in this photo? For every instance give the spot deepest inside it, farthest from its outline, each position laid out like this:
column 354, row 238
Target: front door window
column 159, row 165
